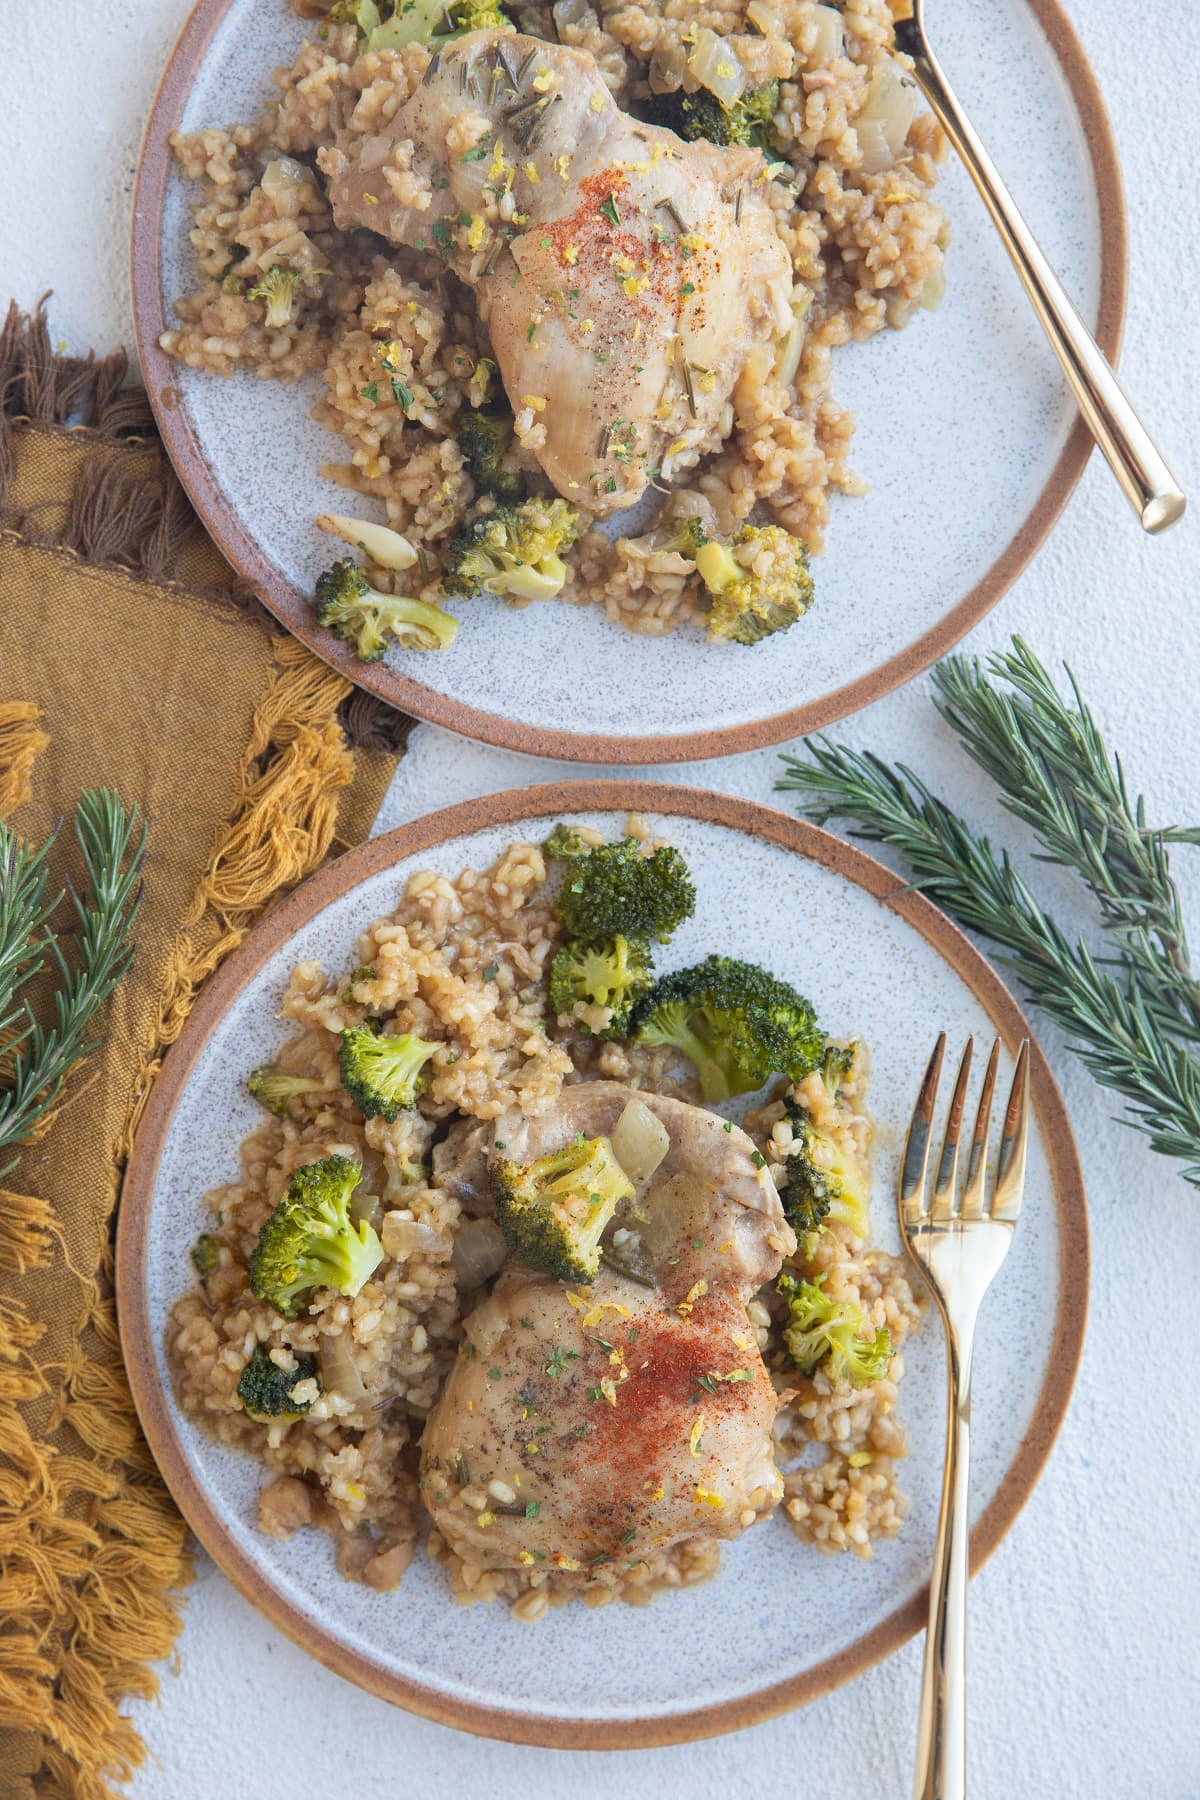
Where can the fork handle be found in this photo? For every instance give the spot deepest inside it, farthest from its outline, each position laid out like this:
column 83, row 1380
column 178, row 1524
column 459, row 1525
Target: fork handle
column 1144, row 477
column 941, row 1734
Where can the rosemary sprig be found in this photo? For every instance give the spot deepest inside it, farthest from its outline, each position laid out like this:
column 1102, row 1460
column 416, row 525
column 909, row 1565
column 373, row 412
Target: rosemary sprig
column 1054, row 772
column 112, row 842
column 1120, row 1024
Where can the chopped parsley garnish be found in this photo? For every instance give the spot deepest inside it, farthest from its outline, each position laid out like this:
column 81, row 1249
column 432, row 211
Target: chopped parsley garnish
column 758, row 1159
column 441, row 236
column 729, row 1124
column 530, row 333
column 478, row 151
column 494, row 1374
column 559, row 1360
column 525, row 1324
column 533, row 1509
column 491, row 972
column 595, row 1393
column 689, row 287
column 402, row 394
column 370, row 392
column 610, row 211
column 628, row 1535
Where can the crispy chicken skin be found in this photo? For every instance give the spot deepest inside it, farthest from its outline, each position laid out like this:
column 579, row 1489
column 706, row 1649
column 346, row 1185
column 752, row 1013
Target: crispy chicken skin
column 588, row 1427
column 624, row 276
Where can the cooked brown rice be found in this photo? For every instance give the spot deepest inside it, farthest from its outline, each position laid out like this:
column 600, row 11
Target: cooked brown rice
column 463, row 962
column 866, row 250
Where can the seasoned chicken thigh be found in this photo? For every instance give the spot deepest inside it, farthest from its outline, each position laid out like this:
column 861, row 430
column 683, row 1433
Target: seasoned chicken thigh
column 624, row 276
column 587, row 1428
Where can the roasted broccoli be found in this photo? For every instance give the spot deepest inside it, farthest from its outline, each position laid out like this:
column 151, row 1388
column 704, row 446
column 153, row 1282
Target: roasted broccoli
column 382, row 1075
column 278, row 288
column 310, row 1241
column 820, row 1330
column 611, row 974
column 737, row 1023
column 364, row 972
column 513, row 551
column 399, row 22
column 687, row 538
column 616, row 888
column 553, row 1211
column 205, row 1254
column 274, row 1091
column 346, row 604
column 566, row 842
column 746, row 120
column 759, row 583
column 484, row 437
column 265, row 1390
column 824, row 1180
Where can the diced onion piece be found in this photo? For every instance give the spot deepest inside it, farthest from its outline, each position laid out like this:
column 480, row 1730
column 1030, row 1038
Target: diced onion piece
column 480, row 1248
column 485, row 1327
column 763, row 19
column 789, row 347
column 666, row 70
column 282, row 176
column 887, row 112
column 934, row 290
column 402, row 1236
column 364, row 1205
column 671, row 1212
column 530, row 583
column 570, row 12
column 640, row 1140
column 378, row 542
column 715, row 66
column 830, row 40
column 339, row 1371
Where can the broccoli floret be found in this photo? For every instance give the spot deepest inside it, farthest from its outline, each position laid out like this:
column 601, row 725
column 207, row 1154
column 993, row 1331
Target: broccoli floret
column 310, row 1241
column 278, row 288
column 820, row 1330
column 265, row 1390
column 824, row 1181
column 553, row 1211
column 616, row 889
column 566, row 842
column 747, row 120
column 347, row 605
column 205, row 1255
column 513, row 551
column 484, row 437
column 382, row 1075
column 759, row 583
column 611, row 974
column 687, row 538
column 364, row 972
column 274, row 1091
column 737, row 1023
column 425, row 21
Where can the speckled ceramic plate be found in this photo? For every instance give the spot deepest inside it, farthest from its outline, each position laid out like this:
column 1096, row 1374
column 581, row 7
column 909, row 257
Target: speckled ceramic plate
column 965, row 435
column 878, row 962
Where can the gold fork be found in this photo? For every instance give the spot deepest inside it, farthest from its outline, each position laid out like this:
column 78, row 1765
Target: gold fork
column 1144, row 477
column 960, row 1242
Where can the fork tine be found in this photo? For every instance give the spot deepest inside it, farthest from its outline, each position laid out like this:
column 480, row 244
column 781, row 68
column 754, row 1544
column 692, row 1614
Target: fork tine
column 911, row 1194
column 946, row 1183
column 1010, row 1171
column 975, row 1188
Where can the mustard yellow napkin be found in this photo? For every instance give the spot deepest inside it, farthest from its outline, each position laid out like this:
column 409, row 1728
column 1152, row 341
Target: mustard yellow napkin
column 127, row 659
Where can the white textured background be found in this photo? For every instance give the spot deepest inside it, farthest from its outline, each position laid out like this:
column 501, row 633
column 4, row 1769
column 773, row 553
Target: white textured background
column 1084, row 1676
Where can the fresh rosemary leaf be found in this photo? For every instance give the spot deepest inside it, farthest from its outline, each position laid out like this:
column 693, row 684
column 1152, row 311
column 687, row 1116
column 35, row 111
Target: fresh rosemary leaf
column 39, row 1057
column 1127, row 1017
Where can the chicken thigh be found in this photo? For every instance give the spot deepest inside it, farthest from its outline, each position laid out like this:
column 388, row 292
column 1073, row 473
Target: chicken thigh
column 589, row 1428
column 624, row 275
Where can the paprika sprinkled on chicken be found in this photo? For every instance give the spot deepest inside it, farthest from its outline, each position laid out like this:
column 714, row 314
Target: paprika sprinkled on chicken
column 624, row 275
column 586, row 1426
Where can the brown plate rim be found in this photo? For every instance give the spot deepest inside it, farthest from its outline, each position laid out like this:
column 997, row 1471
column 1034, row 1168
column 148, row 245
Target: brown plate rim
column 156, row 1409
column 410, row 696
